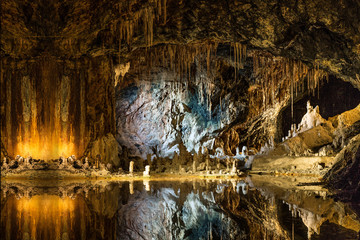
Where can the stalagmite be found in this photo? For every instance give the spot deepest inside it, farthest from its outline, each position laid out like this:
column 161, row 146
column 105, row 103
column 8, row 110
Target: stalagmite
column 131, row 167
column 146, row 173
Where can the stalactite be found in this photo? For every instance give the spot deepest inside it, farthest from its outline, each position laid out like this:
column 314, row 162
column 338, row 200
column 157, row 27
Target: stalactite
column 239, row 56
column 180, row 57
column 273, row 73
column 127, row 25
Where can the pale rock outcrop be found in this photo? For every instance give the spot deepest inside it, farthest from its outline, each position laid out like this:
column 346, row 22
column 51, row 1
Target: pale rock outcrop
column 107, row 147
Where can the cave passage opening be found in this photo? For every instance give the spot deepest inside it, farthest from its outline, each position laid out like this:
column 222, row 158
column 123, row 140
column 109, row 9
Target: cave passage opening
column 333, row 97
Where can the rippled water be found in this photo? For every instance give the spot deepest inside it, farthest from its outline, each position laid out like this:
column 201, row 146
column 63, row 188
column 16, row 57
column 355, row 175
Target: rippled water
column 257, row 207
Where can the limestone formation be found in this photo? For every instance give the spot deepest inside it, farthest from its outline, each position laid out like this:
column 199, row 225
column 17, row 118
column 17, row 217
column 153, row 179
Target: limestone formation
column 109, row 167
column 4, row 164
column 86, row 164
column 243, row 155
column 146, row 173
column 131, row 167
column 28, row 160
column 233, row 169
column 311, row 119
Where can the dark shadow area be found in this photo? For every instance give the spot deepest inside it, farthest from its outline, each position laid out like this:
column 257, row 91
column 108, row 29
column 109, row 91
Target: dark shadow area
column 294, row 225
column 333, row 97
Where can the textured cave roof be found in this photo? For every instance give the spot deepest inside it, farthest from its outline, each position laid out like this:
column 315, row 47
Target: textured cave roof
column 324, row 32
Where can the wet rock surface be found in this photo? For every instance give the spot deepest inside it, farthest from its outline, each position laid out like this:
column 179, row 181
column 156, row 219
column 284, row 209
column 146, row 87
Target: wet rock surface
column 344, row 176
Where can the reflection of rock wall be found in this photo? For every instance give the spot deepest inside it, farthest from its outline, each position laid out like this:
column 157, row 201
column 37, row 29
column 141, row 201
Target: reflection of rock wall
column 50, row 107
column 162, row 216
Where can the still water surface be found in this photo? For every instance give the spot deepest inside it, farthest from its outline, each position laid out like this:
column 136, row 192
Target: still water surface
column 257, row 207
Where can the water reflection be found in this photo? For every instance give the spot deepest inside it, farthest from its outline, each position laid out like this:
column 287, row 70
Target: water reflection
column 249, row 208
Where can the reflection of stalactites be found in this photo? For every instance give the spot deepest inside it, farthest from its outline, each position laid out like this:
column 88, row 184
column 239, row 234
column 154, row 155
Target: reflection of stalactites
column 47, row 216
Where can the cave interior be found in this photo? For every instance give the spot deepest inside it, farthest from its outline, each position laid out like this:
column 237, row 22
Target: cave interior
column 186, row 88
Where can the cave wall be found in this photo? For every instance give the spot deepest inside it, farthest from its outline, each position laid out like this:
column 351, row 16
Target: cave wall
column 321, row 35
column 51, row 107
column 163, row 114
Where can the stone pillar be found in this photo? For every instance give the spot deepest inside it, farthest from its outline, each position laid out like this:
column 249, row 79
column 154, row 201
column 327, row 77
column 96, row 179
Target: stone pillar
column 207, row 163
column 131, row 167
column 146, row 173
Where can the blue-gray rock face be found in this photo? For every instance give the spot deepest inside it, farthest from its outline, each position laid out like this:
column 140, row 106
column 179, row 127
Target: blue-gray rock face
column 160, row 216
column 156, row 117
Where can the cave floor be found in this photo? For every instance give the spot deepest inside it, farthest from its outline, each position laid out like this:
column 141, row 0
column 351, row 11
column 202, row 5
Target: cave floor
column 99, row 175
column 275, row 166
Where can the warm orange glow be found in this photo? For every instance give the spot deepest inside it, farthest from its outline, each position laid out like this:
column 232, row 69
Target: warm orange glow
column 45, row 142
column 45, row 216
column 45, row 149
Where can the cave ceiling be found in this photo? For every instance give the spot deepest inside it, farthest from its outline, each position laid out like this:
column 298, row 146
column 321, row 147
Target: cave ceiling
column 318, row 33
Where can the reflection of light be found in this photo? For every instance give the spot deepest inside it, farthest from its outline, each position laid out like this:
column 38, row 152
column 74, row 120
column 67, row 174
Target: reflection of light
column 147, row 185
column 44, row 216
column 131, row 187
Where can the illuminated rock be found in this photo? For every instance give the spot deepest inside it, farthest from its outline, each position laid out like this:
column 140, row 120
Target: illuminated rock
column 131, row 167
column 109, row 167
column 28, row 161
column 86, row 165
column 311, row 119
column 4, row 164
column 146, row 173
column 13, row 164
column 233, row 169
column 243, row 154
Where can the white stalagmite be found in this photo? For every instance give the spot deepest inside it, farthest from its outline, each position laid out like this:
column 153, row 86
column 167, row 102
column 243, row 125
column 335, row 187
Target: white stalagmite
column 131, row 167
column 311, row 119
column 146, row 173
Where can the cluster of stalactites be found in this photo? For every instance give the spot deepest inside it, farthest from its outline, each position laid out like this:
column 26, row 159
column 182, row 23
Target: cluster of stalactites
column 178, row 58
column 275, row 73
column 239, row 55
column 128, row 24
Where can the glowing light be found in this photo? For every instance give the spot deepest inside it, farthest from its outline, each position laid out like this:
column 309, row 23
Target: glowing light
column 44, row 216
column 43, row 148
